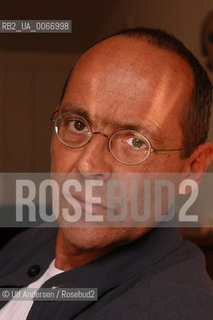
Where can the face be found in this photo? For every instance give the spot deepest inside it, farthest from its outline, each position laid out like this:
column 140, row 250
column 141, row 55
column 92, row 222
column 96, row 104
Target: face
column 118, row 83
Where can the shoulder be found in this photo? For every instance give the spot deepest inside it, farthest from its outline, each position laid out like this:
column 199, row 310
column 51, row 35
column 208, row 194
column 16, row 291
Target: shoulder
column 26, row 243
column 181, row 287
column 31, row 236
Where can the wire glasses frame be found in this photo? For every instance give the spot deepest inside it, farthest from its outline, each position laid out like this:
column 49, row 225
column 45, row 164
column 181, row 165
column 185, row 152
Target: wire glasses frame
column 137, row 136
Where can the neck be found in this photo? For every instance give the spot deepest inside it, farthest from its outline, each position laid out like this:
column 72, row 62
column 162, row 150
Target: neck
column 69, row 256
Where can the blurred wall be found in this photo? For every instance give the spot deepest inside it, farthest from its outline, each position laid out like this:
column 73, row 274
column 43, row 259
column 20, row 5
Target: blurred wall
column 30, row 88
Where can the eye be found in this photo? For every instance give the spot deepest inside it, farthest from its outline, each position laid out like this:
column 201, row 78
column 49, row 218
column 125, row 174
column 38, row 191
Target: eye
column 79, row 125
column 136, row 143
column 76, row 126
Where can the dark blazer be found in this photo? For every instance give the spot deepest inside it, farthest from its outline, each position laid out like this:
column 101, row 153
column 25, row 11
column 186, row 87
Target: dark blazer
column 157, row 277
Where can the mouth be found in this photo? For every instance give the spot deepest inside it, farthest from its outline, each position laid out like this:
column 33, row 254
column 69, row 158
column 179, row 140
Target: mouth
column 85, row 205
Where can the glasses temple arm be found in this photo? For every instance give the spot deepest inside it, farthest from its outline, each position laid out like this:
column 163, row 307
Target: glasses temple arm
column 179, row 149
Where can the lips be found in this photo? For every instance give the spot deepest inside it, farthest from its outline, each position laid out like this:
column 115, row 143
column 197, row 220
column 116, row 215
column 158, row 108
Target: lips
column 89, row 202
column 96, row 207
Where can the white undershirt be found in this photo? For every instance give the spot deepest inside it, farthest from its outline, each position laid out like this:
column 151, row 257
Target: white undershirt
column 17, row 309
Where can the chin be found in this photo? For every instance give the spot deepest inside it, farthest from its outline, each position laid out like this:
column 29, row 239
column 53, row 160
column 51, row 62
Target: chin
column 96, row 238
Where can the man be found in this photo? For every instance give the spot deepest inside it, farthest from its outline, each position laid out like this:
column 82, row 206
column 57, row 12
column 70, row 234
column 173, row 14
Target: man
column 140, row 87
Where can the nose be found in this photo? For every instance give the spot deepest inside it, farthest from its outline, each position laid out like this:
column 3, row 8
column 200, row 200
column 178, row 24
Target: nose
column 95, row 159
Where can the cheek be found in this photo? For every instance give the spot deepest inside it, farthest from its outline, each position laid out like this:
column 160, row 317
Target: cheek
column 173, row 163
column 165, row 162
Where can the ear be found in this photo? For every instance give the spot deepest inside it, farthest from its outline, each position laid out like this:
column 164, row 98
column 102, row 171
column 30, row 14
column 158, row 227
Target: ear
column 199, row 160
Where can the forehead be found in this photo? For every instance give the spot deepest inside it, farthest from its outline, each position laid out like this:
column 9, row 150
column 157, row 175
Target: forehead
column 127, row 79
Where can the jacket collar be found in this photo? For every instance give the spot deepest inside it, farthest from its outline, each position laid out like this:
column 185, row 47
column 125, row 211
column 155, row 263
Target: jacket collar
column 104, row 273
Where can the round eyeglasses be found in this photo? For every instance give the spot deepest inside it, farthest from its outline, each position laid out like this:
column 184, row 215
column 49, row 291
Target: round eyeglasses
column 129, row 147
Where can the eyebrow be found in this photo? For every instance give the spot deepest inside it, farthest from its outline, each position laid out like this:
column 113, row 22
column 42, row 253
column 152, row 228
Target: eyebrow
column 151, row 132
